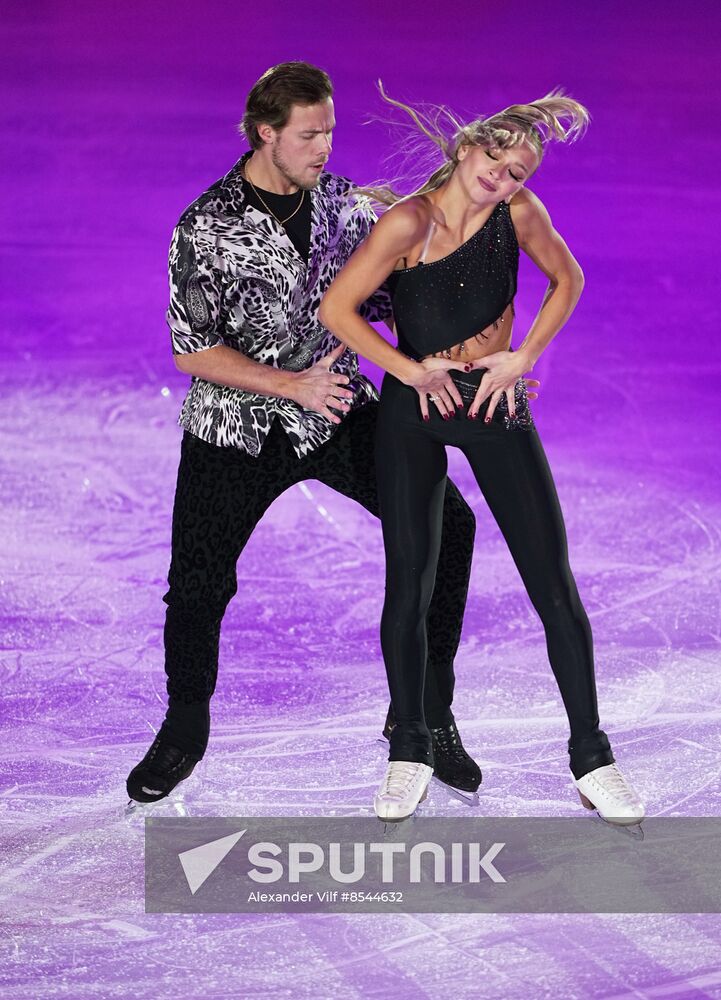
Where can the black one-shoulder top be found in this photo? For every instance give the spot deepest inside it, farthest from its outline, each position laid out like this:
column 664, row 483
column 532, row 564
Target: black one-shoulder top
column 440, row 304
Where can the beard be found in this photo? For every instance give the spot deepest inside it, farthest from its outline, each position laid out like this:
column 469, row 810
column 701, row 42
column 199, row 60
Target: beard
column 280, row 164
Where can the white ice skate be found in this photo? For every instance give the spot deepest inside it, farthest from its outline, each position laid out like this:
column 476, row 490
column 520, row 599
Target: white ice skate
column 404, row 786
column 606, row 790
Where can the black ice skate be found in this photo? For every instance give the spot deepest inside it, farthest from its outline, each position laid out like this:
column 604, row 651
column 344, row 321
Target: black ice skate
column 161, row 769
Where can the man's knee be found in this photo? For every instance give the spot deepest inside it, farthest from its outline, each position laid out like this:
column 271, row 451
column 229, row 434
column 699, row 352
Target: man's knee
column 196, row 612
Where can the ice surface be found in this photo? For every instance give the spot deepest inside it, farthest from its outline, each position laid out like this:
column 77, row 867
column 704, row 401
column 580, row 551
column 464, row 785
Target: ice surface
column 103, row 161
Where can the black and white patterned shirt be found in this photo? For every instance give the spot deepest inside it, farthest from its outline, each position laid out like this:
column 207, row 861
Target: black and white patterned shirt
column 236, row 279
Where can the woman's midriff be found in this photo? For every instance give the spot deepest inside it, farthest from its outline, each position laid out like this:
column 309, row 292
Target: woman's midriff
column 495, row 337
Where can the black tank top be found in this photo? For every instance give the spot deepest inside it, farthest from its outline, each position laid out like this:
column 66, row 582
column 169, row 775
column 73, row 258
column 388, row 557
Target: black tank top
column 440, row 304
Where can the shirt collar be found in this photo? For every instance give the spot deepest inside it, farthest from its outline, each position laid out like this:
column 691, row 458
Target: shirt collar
column 318, row 222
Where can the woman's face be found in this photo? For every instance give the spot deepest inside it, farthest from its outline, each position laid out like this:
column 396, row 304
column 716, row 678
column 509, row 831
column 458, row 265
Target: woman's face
column 492, row 175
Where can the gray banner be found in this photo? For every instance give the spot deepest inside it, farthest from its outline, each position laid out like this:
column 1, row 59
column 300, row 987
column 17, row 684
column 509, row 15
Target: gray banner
column 360, row 865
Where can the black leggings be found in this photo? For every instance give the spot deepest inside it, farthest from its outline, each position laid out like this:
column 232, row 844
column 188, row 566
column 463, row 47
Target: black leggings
column 511, row 469
column 221, row 495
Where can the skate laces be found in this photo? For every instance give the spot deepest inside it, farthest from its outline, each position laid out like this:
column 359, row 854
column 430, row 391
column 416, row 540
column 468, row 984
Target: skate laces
column 615, row 783
column 447, row 739
column 399, row 777
column 164, row 756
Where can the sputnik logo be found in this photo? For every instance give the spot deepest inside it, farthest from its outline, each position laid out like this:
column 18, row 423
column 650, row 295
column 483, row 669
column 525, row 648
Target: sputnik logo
column 200, row 862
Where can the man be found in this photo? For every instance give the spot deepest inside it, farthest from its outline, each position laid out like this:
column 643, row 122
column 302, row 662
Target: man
column 274, row 401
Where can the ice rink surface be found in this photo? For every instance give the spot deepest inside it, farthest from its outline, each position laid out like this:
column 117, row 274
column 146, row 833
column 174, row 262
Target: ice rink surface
column 120, row 118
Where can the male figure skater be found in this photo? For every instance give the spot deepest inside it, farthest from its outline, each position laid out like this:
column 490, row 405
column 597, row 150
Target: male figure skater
column 274, row 401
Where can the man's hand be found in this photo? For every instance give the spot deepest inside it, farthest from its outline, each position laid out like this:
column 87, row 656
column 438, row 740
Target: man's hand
column 505, row 368
column 318, row 388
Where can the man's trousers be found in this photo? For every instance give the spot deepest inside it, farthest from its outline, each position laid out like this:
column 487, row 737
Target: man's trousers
column 222, row 493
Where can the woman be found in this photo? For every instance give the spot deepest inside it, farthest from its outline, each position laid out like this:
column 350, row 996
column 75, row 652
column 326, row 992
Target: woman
column 450, row 254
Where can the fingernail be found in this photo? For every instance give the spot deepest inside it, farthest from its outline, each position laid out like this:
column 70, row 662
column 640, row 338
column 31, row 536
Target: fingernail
column 426, row 417
column 486, row 420
column 472, row 416
column 467, row 368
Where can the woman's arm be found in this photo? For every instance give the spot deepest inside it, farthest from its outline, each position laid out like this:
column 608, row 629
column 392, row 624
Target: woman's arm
column 548, row 251
column 366, row 270
column 398, row 230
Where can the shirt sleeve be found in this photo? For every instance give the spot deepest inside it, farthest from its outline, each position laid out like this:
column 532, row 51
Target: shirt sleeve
column 195, row 293
column 378, row 306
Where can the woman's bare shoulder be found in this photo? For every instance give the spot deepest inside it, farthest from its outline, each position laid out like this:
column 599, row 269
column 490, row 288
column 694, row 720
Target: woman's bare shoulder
column 407, row 221
column 526, row 208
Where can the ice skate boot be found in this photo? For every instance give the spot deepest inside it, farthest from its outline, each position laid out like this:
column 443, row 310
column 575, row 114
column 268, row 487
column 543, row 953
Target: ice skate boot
column 404, row 786
column 452, row 763
column 606, row 790
column 161, row 769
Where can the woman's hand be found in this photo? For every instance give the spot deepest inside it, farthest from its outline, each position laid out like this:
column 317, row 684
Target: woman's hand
column 505, row 368
column 432, row 381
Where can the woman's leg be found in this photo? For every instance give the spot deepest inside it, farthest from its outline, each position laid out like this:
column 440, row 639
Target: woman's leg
column 347, row 464
column 411, row 469
column 513, row 473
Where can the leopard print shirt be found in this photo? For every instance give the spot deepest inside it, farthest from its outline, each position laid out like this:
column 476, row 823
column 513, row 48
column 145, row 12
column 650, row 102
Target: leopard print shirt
column 236, row 279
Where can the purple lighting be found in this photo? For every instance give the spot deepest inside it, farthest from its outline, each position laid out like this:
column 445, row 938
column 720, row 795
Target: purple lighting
column 115, row 118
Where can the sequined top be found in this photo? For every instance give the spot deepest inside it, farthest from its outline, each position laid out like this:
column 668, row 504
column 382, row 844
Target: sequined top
column 439, row 304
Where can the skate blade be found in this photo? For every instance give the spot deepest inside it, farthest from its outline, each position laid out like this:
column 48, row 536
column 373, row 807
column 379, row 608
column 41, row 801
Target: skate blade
column 632, row 829
column 169, row 804
column 469, row 799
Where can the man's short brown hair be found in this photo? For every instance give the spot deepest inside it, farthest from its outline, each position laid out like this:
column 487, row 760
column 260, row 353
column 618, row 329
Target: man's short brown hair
column 272, row 97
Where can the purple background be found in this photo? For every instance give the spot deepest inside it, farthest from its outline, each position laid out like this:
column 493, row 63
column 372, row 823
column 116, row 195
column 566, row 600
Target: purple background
column 115, row 117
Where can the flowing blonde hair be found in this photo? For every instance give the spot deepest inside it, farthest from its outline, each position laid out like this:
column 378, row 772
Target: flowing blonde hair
column 553, row 117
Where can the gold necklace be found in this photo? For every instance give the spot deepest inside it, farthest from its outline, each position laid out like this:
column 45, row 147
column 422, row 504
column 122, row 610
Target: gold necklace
column 281, row 222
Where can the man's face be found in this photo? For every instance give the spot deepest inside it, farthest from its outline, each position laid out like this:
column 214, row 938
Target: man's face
column 300, row 150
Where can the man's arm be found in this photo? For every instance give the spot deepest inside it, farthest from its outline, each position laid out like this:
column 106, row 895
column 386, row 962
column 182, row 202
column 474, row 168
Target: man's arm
column 226, row 366
column 194, row 318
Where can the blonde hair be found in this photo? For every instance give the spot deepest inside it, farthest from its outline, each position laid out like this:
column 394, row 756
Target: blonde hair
column 553, row 117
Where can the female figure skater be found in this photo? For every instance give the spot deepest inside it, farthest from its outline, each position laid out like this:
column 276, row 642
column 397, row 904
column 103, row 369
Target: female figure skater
column 450, row 254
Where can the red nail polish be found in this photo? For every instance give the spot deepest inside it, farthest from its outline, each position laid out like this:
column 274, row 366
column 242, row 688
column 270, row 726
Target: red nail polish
column 426, row 417
column 468, row 368
column 487, row 420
